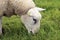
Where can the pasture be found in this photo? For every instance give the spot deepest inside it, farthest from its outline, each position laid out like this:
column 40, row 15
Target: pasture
column 50, row 24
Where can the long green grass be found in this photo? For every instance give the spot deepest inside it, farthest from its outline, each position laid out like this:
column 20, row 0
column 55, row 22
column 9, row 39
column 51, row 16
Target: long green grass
column 50, row 24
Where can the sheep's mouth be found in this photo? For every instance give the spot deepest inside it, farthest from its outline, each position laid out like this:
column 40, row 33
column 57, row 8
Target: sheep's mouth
column 35, row 21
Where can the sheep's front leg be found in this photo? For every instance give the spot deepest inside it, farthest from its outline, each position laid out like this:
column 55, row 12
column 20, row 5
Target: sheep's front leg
column 0, row 25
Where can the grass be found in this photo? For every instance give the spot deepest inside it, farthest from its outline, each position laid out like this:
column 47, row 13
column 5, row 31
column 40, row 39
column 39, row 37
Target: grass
column 50, row 24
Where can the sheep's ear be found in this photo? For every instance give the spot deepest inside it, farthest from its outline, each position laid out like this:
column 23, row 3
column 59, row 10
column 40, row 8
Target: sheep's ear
column 40, row 9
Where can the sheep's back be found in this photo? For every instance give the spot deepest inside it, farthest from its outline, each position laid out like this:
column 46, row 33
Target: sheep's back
column 18, row 6
column 21, row 6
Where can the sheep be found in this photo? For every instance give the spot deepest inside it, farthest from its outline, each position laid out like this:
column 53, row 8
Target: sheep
column 14, row 7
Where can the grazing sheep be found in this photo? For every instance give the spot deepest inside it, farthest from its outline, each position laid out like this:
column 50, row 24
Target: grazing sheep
column 13, row 7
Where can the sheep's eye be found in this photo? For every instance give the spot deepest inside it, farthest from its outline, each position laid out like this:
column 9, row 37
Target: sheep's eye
column 35, row 21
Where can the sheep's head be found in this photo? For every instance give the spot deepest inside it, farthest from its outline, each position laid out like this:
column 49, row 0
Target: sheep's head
column 36, row 16
column 34, row 12
column 32, row 19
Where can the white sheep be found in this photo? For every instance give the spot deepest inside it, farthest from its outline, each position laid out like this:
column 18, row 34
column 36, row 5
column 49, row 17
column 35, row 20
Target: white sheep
column 13, row 7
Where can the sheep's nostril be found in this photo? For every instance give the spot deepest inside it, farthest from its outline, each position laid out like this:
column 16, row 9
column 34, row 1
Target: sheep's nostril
column 35, row 21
